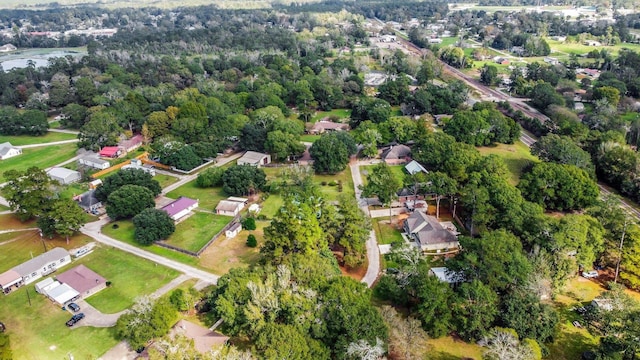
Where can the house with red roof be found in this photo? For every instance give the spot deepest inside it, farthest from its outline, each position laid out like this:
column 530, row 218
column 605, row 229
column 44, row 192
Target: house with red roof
column 83, row 280
column 110, row 152
column 180, row 208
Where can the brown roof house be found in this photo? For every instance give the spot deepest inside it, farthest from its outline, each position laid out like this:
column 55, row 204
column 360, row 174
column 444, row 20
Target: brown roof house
column 429, row 234
column 396, row 154
column 323, row 126
column 83, row 280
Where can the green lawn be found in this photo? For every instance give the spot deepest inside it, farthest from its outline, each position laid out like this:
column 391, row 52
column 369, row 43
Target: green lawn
column 271, row 206
column 309, row 138
column 130, row 277
column 516, row 157
column 41, row 157
column 68, row 191
column 448, row 348
column 583, row 49
column 331, row 193
column 397, row 170
column 208, row 197
column 124, row 233
column 385, row 233
column 165, row 180
column 28, row 140
column 340, row 113
column 193, row 233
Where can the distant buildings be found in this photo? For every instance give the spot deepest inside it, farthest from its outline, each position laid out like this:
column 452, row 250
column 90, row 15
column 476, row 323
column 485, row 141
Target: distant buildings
column 92, row 160
column 323, row 126
column 7, row 48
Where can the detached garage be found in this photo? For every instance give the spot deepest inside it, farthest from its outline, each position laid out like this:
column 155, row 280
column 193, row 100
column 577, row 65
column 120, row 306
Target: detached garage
column 63, row 176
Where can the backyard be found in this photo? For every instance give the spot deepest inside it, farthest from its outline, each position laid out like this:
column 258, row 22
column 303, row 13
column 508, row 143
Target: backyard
column 339, row 113
column 516, row 156
column 386, row 233
column 208, row 197
column 225, row 254
column 42, row 157
column 193, row 233
column 165, row 180
column 28, row 140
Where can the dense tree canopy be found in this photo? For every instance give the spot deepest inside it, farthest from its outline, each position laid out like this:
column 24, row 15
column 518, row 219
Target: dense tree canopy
column 331, row 152
column 243, row 180
column 128, row 201
column 152, row 225
column 127, row 177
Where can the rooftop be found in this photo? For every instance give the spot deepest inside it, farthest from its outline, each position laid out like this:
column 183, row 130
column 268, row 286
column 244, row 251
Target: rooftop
column 81, row 278
column 179, row 205
column 61, row 172
column 9, row 277
column 227, row 205
column 396, row 152
column 252, row 157
column 41, row 260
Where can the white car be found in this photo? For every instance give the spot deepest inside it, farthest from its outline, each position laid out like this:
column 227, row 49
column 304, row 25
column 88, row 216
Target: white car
column 590, row 274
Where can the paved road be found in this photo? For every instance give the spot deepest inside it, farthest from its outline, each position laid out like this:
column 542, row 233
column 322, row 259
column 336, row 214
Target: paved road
column 373, row 253
column 65, row 131
column 94, row 230
column 48, row 144
column 187, row 178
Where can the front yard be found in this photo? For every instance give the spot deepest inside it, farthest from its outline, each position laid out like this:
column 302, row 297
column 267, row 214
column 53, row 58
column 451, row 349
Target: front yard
column 42, row 157
column 193, row 233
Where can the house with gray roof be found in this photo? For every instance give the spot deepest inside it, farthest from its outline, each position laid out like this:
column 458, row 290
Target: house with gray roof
column 34, row 269
column 63, row 175
column 396, row 154
column 8, row 151
column 429, row 234
column 254, row 158
column 92, row 160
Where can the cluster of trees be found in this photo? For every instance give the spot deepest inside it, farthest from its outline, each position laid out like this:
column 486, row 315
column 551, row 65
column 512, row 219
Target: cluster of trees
column 29, row 122
column 148, row 318
column 243, row 180
column 32, row 194
column 332, row 151
column 128, row 192
column 483, row 125
column 152, row 225
column 531, row 45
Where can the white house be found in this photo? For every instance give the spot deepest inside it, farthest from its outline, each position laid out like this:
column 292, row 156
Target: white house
column 8, row 151
column 254, row 159
column 63, row 175
column 180, row 208
column 230, row 207
column 233, row 231
column 94, row 161
column 8, row 48
column 137, row 164
column 42, row 265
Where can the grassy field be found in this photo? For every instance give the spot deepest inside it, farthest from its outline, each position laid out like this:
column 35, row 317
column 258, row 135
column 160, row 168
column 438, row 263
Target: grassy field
column 193, row 233
column 28, row 140
column 448, row 348
column 309, row 138
column 225, row 254
column 271, row 205
column 340, row 113
column 331, row 193
column 10, row 221
column 124, row 233
column 397, row 170
column 165, row 180
column 385, row 233
column 208, row 197
column 583, row 49
column 41, row 157
column 130, row 277
column 516, row 157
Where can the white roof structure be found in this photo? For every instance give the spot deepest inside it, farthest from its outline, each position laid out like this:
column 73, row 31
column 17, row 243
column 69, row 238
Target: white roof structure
column 62, row 294
column 414, row 167
column 40, row 261
column 443, row 274
column 42, row 285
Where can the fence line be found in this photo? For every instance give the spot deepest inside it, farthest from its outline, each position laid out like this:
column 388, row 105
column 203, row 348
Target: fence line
column 225, row 228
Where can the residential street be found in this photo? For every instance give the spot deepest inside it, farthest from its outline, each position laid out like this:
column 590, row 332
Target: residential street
column 48, row 144
column 373, row 253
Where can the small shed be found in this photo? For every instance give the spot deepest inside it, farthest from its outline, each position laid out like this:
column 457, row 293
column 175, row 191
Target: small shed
column 229, row 207
column 62, row 294
column 233, row 231
column 42, row 285
column 254, row 158
column 414, row 167
column 63, row 175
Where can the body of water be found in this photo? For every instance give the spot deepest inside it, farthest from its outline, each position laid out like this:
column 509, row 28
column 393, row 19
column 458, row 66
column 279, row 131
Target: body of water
column 40, row 57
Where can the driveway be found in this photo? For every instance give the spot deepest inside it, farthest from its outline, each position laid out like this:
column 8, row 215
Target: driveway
column 373, row 253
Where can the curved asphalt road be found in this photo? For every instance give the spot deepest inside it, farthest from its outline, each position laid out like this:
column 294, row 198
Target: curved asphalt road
column 373, row 253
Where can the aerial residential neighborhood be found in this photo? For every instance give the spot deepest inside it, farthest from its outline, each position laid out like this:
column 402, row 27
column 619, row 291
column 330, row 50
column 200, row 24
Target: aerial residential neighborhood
column 219, row 180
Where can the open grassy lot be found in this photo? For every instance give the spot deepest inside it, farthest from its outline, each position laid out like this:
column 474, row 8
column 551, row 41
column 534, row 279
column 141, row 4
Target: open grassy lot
column 516, row 157
column 225, row 254
column 130, row 277
column 271, row 205
column 193, row 233
column 397, row 170
column 124, row 233
column 18, row 247
column 10, row 222
column 583, row 49
column 386, row 233
column 448, row 348
column 208, row 197
column 41, row 157
column 340, row 113
column 165, row 180
column 331, row 193
column 28, row 140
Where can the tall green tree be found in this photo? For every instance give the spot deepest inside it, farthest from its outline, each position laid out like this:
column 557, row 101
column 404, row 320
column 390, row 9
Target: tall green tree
column 127, row 177
column 128, row 201
column 475, row 309
column 28, row 192
column 331, row 153
column 440, row 184
column 66, row 217
column 152, row 225
column 383, row 183
column 243, row 180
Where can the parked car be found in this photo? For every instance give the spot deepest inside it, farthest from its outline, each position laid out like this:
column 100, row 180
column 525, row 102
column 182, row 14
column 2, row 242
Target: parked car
column 74, row 319
column 74, row 307
column 590, row 274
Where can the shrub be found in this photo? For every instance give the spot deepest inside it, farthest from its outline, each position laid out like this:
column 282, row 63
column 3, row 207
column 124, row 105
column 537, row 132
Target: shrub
column 251, row 241
column 249, row 223
column 332, row 183
column 324, row 183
